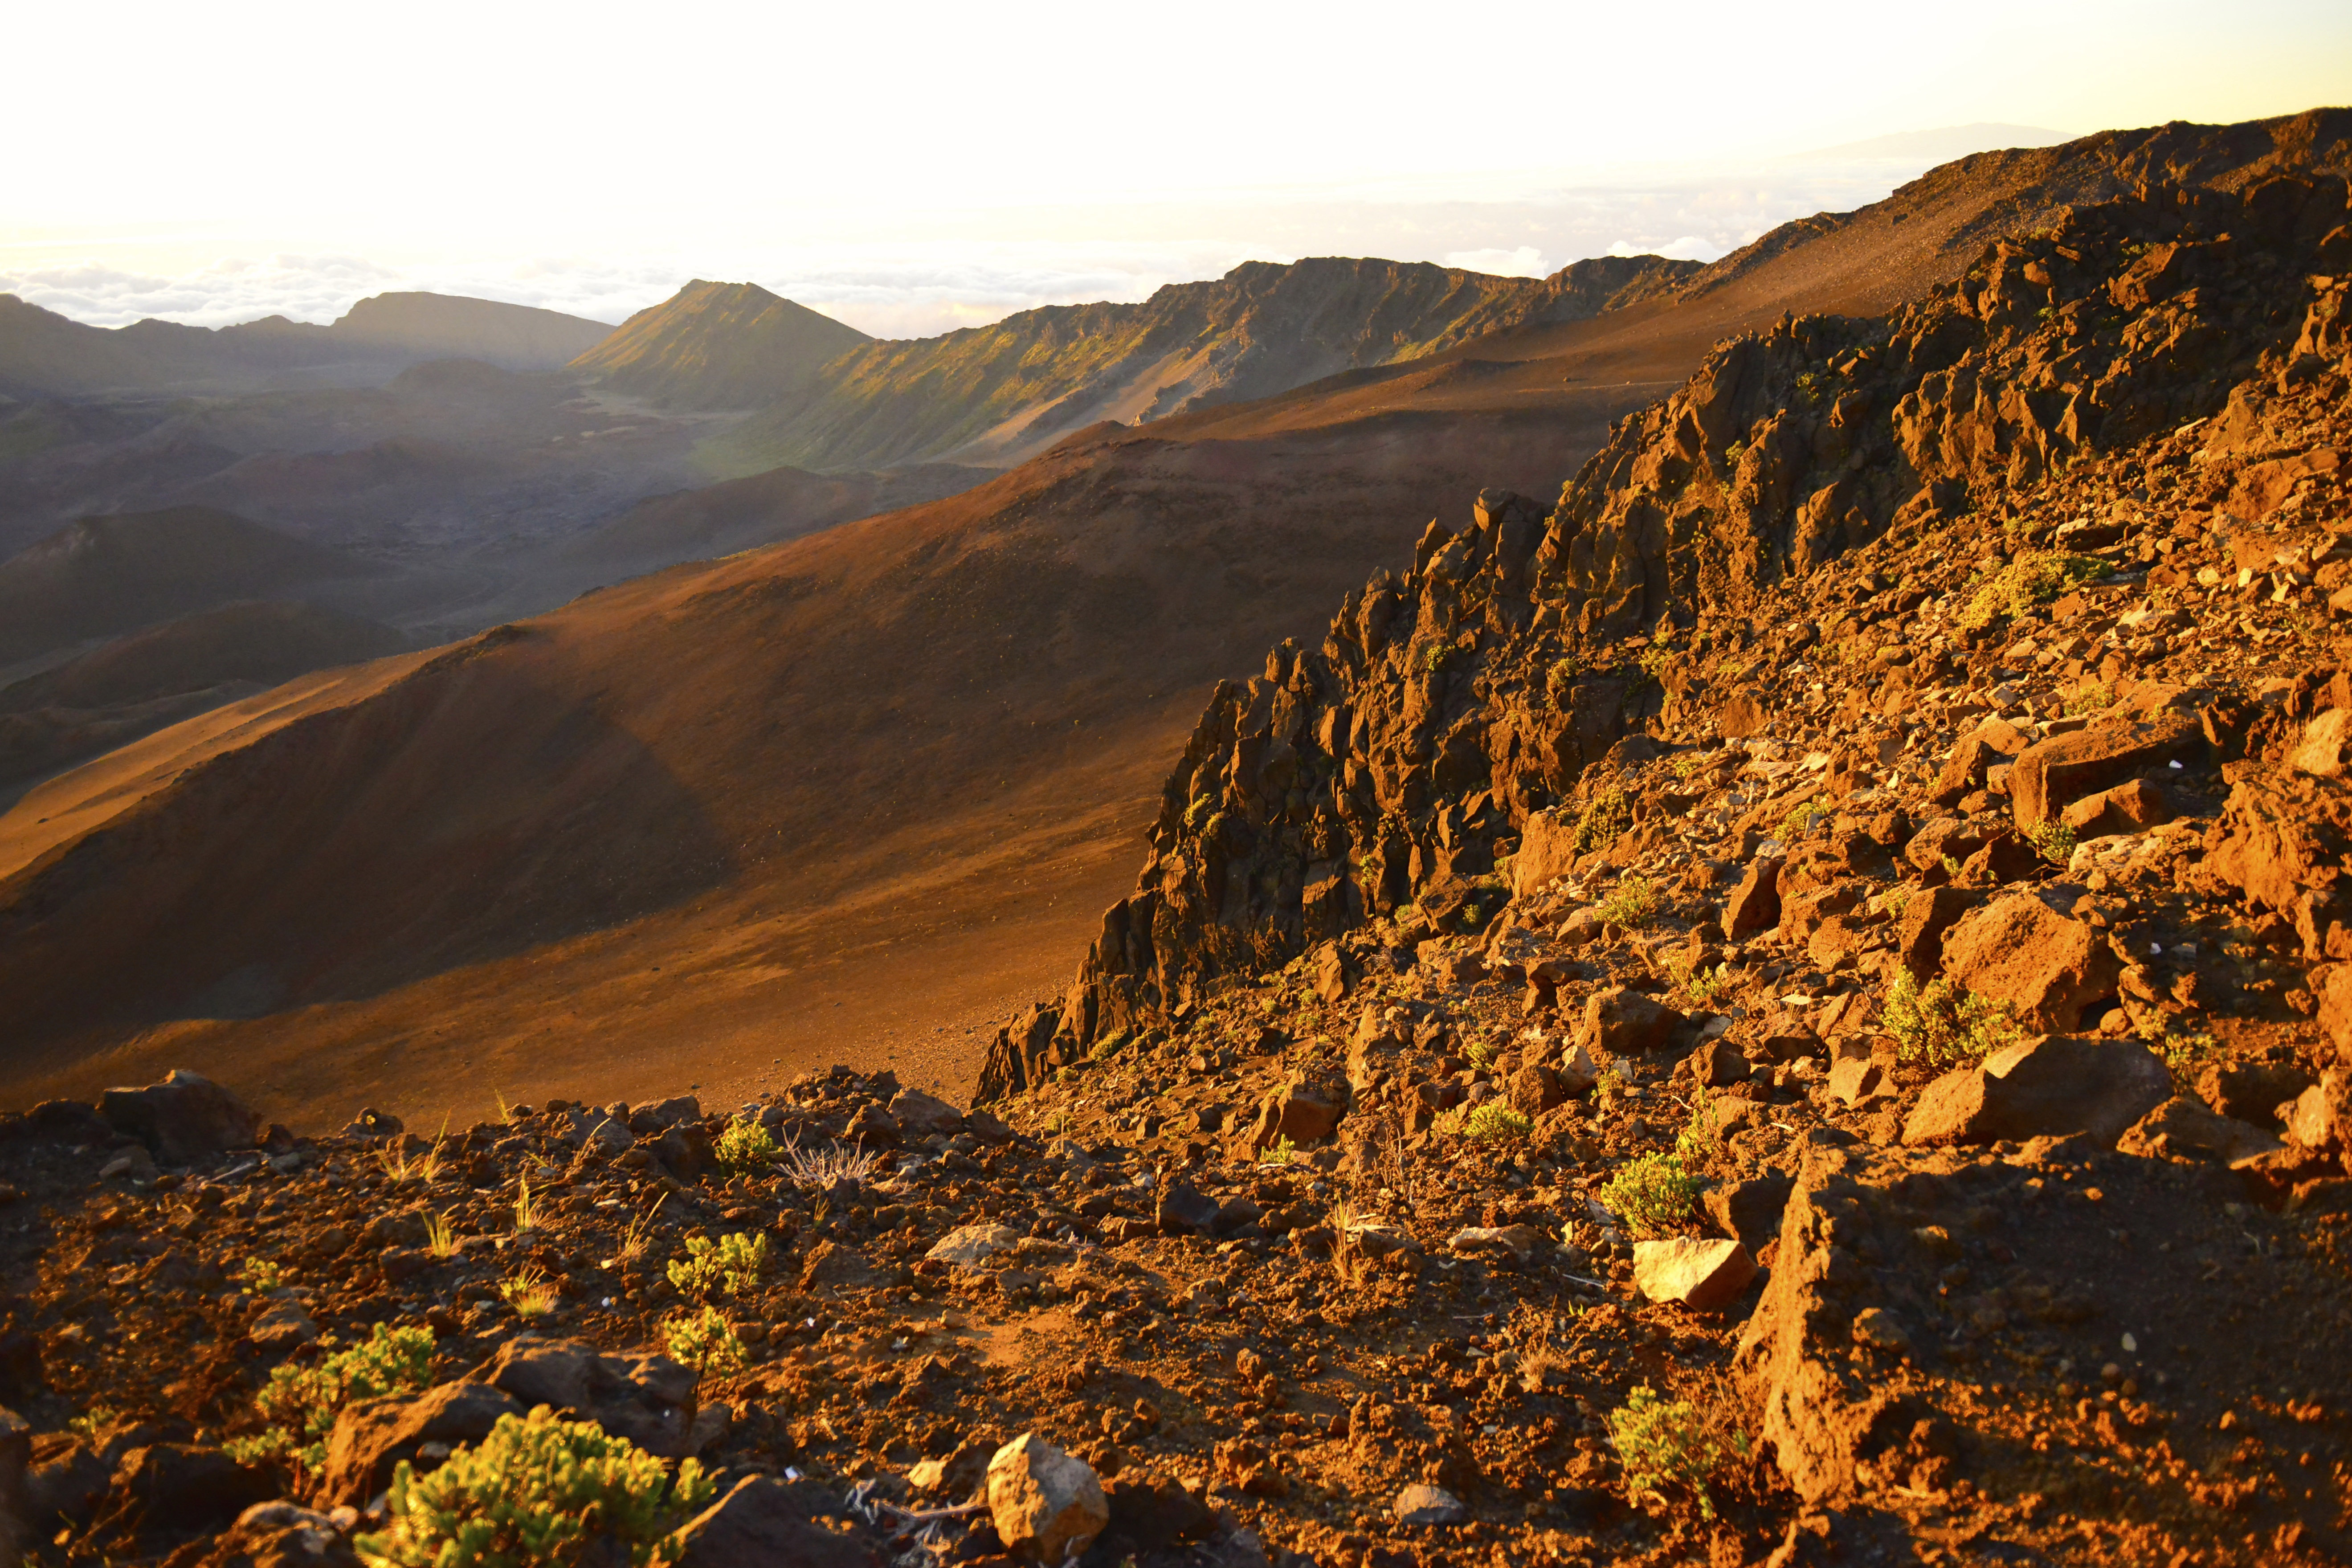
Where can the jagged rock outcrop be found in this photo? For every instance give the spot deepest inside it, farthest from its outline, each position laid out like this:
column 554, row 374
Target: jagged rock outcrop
column 1401, row 760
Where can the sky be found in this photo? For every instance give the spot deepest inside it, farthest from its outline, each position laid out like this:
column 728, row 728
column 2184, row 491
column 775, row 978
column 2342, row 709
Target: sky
column 918, row 167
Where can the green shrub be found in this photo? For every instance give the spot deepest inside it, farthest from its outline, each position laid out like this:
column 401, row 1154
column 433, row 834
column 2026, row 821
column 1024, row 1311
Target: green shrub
column 733, row 1262
column 1667, row 1444
column 1608, row 815
column 2028, row 581
column 538, row 1492
column 2053, row 841
column 1946, row 1026
column 2088, row 699
column 1281, row 1151
column 259, row 1276
column 1655, row 1195
column 747, row 1145
column 1493, row 1121
column 301, row 1403
column 1434, row 660
column 1109, row 1046
column 1559, row 680
column 1633, row 905
column 705, row 1341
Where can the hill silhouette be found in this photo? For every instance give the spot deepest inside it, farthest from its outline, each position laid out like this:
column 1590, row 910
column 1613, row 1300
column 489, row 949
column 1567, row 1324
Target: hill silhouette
column 45, row 353
column 717, row 345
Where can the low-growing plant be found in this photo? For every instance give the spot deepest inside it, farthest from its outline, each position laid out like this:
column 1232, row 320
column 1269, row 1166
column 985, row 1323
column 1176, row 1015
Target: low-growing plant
column 1481, row 1053
column 1702, row 986
column 1654, row 1194
column 1607, row 816
column 2053, row 841
column 259, row 1276
column 530, row 1293
column 1281, row 1151
column 1656, row 661
column 1697, row 1140
column 2186, row 1053
column 818, row 1169
column 1798, row 823
column 732, row 1262
column 1666, row 1443
column 1609, row 1088
column 1633, row 905
column 301, row 1403
column 2029, row 580
column 440, row 1236
column 705, row 1341
column 637, row 1236
column 747, row 1146
column 2088, row 699
column 537, row 1492
column 525, row 1209
column 1559, row 680
column 1941, row 1024
column 1493, row 1121
column 1109, row 1045
column 1434, row 660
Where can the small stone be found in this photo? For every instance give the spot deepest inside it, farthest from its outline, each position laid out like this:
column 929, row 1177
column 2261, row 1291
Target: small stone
column 1428, row 1505
column 1185, row 1210
column 972, row 1245
column 1705, row 1275
column 1579, row 1073
column 1048, row 1505
column 1877, row 1326
column 1519, row 1240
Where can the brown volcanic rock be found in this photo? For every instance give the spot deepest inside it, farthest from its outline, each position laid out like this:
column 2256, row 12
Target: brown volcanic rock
column 373, row 1437
column 2052, row 1086
column 2284, row 840
column 184, row 1118
column 2019, row 951
column 2051, row 774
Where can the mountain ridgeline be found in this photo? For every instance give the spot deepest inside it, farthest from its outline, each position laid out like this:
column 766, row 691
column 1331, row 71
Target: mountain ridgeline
column 995, row 395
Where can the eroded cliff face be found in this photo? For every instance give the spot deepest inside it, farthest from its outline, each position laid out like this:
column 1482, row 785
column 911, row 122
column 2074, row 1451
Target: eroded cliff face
column 1397, row 762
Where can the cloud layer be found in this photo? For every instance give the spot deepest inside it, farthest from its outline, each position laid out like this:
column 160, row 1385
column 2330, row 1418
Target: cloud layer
column 982, row 267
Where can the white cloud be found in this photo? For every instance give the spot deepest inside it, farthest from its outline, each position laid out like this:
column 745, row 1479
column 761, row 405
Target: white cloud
column 1526, row 261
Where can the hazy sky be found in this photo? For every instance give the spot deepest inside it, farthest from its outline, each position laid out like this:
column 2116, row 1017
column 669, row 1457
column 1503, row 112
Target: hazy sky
column 914, row 166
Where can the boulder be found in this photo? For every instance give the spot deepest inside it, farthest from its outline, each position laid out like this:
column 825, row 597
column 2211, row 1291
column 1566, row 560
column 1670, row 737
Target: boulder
column 1992, row 742
column 1048, row 1505
column 2285, row 841
column 1154, row 1514
column 1547, row 849
column 1305, row 1108
column 640, row 1398
column 651, row 1120
column 1750, row 1211
column 372, row 1437
column 282, row 1534
column 186, row 1118
column 1928, row 916
column 1579, row 1073
column 1717, row 1064
column 1707, row 1276
column 923, row 1114
column 1185, row 1210
column 2335, row 1007
column 2325, row 745
column 2048, row 1087
column 2251, row 1091
column 763, row 1519
column 1536, row 1089
column 2050, row 774
column 2182, row 1129
column 2046, row 966
column 1624, row 1021
column 180, row 1485
column 2322, row 1117
column 1754, row 904
column 1330, row 972
column 969, row 1246
column 2130, row 806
